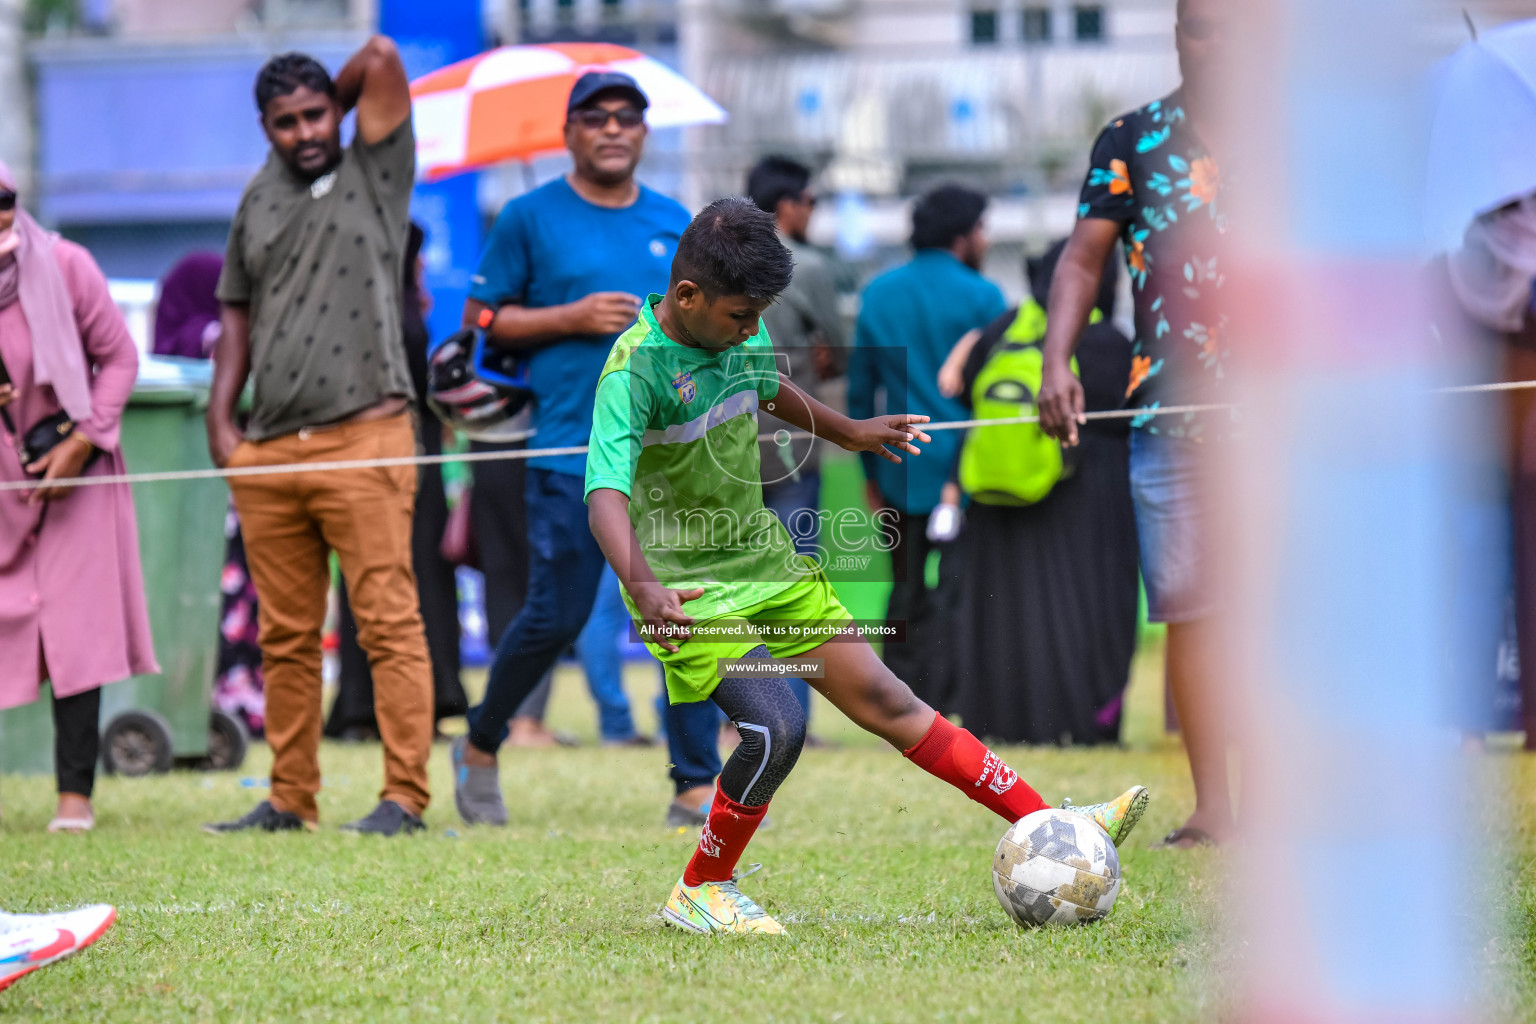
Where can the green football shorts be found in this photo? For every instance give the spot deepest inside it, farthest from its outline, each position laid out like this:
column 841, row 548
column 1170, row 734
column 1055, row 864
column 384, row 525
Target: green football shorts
column 802, row 616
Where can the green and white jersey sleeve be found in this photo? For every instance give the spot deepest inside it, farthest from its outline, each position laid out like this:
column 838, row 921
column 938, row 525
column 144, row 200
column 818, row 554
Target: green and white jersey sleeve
column 619, row 418
column 675, row 428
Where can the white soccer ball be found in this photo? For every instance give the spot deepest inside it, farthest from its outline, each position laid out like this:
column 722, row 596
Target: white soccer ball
column 1056, row 867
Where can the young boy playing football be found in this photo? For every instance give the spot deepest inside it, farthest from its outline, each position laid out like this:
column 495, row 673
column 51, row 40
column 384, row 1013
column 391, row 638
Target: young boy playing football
column 674, row 498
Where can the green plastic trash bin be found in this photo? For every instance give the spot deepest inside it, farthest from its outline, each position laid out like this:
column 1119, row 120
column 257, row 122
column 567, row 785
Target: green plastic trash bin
column 150, row 722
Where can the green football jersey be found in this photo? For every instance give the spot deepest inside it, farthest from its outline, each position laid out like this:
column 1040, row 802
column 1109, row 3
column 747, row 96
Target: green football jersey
column 675, row 428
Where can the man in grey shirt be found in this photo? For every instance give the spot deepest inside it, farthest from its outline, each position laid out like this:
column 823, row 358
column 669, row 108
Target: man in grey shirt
column 311, row 313
column 807, row 333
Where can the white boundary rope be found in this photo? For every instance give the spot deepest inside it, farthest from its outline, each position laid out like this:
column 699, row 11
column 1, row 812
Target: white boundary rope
column 173, row 476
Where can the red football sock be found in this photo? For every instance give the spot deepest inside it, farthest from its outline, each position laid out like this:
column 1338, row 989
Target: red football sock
column 726, row 834
column 963, row 761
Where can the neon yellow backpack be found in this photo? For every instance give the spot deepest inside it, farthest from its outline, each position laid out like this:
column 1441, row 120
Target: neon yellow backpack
column 1014, row 463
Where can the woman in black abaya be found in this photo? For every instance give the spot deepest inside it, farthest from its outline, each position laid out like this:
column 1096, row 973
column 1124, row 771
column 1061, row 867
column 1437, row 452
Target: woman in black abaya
column 1046, row 622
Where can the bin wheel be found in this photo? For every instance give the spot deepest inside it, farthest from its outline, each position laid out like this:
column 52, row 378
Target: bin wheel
column 227, row 742
column 137, row 743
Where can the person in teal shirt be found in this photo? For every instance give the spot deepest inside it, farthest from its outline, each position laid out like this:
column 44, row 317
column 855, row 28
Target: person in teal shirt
column 910, row 318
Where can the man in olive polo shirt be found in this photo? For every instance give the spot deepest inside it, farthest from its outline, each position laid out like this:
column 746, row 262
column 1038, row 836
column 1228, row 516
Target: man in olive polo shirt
column 311, row 296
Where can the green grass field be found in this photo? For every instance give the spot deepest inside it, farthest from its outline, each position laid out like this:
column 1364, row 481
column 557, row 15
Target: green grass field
column 880, row 873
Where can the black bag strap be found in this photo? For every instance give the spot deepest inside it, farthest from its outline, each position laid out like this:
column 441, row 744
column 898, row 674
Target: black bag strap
column 5, row 412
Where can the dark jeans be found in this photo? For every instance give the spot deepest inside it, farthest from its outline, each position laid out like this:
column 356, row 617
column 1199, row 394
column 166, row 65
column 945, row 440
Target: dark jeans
column 499, row 521
column 693, row 741
column 796, row 503
column 77, row 741
column 565, row 567
column 602, row 658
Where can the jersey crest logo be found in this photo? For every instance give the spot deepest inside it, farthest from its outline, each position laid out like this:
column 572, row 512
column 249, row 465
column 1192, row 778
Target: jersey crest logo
column 683, row 382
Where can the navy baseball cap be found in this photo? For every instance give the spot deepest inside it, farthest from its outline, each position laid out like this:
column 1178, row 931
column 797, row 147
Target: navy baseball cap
column 590, row 84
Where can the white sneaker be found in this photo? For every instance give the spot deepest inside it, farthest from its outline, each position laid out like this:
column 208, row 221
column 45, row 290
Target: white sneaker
column 30, row 941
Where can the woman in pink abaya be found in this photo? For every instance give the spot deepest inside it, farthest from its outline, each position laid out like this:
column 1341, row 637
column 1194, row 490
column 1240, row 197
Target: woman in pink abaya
column 72, row 609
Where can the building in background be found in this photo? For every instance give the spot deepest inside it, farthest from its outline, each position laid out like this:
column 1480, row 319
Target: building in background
column 650, row 26
column 15, row 96
column 145, row 131
column 890, row 97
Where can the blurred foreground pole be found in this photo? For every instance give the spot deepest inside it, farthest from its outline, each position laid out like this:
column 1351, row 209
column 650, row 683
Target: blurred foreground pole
column 1352, row 884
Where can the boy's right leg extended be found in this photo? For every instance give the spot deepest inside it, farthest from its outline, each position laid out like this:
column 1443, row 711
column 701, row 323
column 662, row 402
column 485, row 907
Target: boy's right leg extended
column 864, row 689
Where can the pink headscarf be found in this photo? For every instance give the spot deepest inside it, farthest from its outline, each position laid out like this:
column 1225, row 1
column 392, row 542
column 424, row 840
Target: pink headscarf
column 58, row 358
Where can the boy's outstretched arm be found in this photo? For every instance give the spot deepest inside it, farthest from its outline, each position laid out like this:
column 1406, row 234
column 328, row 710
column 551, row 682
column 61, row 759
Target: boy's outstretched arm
column 898, row 430
column 661, row 608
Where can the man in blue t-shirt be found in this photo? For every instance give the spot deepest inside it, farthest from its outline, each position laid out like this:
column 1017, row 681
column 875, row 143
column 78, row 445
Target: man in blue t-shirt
column 561, row 276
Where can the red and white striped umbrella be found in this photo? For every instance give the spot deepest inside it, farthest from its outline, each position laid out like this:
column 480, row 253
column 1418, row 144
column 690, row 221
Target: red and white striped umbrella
column 509, row 103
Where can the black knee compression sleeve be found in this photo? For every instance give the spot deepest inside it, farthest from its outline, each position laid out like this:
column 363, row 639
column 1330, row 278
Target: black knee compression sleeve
column 772, row 726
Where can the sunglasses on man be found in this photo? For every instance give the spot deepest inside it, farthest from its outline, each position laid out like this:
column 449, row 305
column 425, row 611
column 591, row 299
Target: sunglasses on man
column 596, row 118
column 7, row 201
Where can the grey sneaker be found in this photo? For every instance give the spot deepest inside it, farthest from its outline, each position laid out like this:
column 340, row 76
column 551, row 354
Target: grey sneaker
column 476, row 789
column 387, row 819
column 266, row 818
column 680, row 816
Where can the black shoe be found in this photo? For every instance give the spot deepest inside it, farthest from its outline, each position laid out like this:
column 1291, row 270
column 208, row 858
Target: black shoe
column 265, row 817
column 387, row 819
column 681, row 816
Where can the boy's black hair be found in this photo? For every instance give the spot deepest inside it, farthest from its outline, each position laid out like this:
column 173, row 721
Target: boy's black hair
column 775, row 178
column 945, row 214
column 289, row 72
column 733, row 248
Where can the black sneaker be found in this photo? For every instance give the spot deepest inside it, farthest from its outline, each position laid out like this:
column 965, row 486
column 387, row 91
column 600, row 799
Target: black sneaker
column 265, row 817
column 387, row 819
column 681, row 816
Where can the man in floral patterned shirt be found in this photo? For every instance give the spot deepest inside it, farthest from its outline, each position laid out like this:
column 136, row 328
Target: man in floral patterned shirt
column 1155, row 187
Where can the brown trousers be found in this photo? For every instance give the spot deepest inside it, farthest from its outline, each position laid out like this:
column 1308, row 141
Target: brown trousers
column 291, row 521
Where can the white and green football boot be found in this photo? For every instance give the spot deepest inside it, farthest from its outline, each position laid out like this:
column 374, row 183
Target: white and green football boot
column 1118, row 816
column 717, row 907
